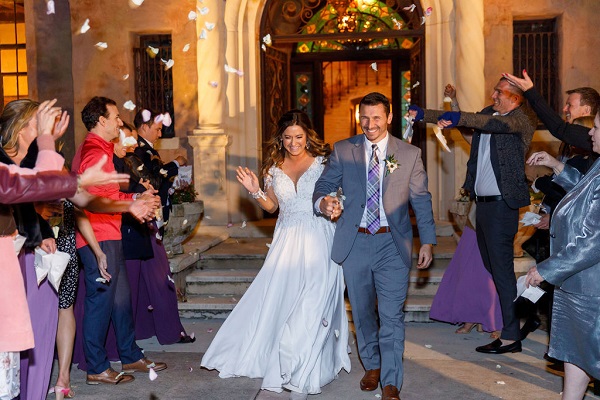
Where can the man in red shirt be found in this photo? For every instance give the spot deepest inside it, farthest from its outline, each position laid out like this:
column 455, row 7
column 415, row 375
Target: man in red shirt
column 107, row 290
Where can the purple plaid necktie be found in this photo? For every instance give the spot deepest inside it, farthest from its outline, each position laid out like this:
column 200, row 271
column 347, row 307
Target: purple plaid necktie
column 373, row 193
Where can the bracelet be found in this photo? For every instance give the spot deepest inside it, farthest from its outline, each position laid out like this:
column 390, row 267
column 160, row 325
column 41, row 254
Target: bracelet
column 259, row 194
column 135, row 196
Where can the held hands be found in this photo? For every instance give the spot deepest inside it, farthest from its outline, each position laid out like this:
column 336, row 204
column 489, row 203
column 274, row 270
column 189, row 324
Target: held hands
column 330, row 207
column 50, row 121
column 450, row 91
column 533, row 277
column 425, row 256
column 248, row 179
column 524, row 83
column 96, row 176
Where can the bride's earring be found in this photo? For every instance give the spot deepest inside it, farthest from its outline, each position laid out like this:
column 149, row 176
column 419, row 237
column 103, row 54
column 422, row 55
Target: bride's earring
column 279, row 145
column 307, row 145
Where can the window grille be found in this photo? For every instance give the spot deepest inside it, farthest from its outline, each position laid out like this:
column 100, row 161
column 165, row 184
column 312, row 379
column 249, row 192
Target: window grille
column 13, row 60
column 535, row 49
column 153, row 81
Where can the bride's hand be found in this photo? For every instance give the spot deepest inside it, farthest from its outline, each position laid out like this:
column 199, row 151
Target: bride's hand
column 248, row 179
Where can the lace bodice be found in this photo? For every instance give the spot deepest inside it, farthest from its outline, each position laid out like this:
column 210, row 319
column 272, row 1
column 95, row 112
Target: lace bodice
column 295, row 203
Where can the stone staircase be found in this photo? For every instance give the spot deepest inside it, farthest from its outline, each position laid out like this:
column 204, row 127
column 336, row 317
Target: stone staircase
column 221, row 271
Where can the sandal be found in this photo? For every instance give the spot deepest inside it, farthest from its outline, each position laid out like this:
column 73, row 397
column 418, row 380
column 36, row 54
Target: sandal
column 466, row 327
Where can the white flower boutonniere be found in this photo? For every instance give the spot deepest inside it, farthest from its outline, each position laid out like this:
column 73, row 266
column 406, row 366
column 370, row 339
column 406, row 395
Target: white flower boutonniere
column 391, row 164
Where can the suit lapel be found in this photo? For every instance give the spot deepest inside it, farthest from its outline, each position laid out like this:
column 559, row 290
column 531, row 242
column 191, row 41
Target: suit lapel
column 360, row 161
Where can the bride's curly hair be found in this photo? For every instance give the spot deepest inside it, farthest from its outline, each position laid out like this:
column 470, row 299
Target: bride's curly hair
column 275, row 152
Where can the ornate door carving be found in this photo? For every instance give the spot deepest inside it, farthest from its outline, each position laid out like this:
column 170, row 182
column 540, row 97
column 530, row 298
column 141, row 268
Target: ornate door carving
column 276, row 90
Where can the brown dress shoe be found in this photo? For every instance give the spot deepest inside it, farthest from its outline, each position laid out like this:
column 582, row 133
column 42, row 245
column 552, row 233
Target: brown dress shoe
column 143, row 365
column 370, row 380
column 390, row 392
column 109, row 376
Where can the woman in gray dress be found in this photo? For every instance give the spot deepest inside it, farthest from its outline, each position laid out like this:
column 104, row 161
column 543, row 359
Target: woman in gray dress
column 574, row 268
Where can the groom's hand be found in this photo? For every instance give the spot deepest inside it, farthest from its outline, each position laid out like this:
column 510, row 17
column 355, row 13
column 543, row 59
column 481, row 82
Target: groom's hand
column 425, row 256
column 330, row 207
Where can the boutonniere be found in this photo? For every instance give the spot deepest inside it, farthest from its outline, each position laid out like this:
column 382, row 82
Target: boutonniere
column 390, row 164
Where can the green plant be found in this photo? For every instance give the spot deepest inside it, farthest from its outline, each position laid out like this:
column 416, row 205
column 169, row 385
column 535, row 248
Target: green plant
column 185, row 193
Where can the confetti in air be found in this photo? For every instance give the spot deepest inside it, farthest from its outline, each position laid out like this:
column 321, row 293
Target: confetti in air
column 374, row 66
column 129, row 105
column 263, row 47
column 186, row 48
column 243, row 224
column 136, row 3
column 102, row 45
column 213, row 84
column 170, row 279
column 141, row 167
column 152, row 51
column 397, row 23
column 428, row 11
column 267, row 39
column 233, row 70
column 125, row 77
column 85, row 27
column 50, row 7
column 209, row 25
column 203, row 10
column 150, row 308
column 152, row 374
column 410, row 8
column 101, row 280
column 203, row 34
column 168, row 63
column 423, row 18
column 417, row 83
column 192, row 15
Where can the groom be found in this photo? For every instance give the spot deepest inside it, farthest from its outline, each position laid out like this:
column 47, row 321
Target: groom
column 373, row 239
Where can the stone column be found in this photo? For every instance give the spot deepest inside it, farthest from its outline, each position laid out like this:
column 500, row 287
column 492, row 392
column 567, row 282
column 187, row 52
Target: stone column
column 209, row 141
column 210, row 174
column 470, row 54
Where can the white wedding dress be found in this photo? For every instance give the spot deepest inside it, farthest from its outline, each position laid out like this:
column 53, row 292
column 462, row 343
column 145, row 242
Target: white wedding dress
column 290, row 328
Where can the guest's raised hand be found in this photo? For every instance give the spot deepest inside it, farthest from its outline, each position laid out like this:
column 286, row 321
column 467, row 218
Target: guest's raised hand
column 96, row 176
column 450, row 91
column 61, row 125
column 248, row 179
column 524, row 83
column 46, row 117
column 544, row 159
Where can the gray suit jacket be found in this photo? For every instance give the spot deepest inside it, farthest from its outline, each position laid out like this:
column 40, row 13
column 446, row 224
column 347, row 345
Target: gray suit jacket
column 574, row 264
column 347, row 168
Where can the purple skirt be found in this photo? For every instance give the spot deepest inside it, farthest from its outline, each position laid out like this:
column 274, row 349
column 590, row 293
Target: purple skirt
column 467, row 292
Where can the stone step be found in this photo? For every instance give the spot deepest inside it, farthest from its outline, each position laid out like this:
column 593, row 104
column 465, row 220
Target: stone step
column 238, row 253
column 416, row 307
column 235, row 282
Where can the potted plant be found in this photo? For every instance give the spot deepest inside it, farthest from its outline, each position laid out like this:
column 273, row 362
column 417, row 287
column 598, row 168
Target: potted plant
column 185, row 214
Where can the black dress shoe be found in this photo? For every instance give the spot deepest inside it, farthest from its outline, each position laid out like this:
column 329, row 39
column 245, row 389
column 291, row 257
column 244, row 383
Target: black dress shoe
column 496, row 347
column 529, row 326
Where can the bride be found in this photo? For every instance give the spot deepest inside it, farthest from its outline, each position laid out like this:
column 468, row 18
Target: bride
column 290, row 328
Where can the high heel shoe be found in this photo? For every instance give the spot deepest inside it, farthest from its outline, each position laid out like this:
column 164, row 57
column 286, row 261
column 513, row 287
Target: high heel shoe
column 466, row 327
column 63, row 392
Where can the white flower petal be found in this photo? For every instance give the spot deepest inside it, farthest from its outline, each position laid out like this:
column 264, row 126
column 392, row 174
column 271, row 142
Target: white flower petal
column 169, row 64
column 170, row 279
column 102, row 45
column 186, row 47
column 204, row 10
column 141, row 167
column 129, row 105
column 192, row 15
column 50, row 7
column 263, row 47
column 85, row 27
column 209, row 25
column 137, row 2
column 163, row 171
column 267, row 39
column 243, row 224
column 101, row 280
column 374, row 66
column 411, row 7
column 152, row 374
column 185, row 221
column 213, row 84
column 203, row 34
column 125, row 77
